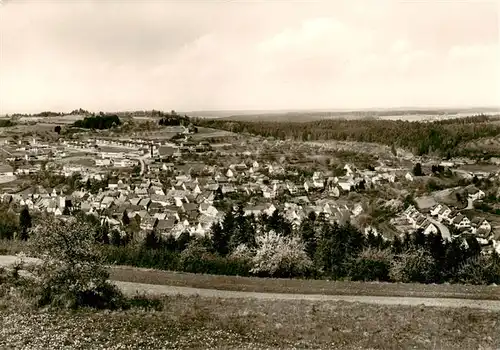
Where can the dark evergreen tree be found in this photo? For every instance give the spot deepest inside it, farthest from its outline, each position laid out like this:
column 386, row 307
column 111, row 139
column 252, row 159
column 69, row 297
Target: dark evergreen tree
column 125, row 219
column 419, row 239
column 243, row 231
column 308, row 235
column 397, row 245
column 24, row 223
column 183, row 241
column 116, row 238
column 417, row 170
column 152, row 240
column 219, row 239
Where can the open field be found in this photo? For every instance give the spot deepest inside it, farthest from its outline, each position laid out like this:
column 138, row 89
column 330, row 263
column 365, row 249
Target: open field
column 213, row 323
column 207, row 133
column 298, row 286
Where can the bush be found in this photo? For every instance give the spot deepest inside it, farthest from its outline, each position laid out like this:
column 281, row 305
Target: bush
column 136, row 255
column 481, row 269
column 197, row 259
column 71, row 273
column 413, row 265
column 371, row 265
column 280, row 256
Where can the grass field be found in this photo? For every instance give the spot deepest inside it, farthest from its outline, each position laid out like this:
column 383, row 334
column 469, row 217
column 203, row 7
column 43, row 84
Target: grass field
column 298, row 286
column 210, row 323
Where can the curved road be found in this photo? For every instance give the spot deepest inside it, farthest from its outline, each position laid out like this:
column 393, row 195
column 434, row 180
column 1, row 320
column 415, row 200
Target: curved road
column 131, row 288
column 445, row 231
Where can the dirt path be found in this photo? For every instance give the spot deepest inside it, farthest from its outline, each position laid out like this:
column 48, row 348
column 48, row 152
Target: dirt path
column 132, row 288
column 445, row 231
column 150, row 289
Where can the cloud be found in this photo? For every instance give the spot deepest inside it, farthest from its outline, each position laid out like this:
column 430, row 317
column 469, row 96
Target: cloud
column 169, row 55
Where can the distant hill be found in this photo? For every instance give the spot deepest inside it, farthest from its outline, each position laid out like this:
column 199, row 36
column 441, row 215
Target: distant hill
column 310, row 115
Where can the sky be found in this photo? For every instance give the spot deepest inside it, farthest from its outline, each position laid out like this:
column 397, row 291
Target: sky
column 111, row 55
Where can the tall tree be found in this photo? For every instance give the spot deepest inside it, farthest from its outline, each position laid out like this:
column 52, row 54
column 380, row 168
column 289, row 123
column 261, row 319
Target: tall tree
column 417, row 170
column 125, row 218
column 24, row 223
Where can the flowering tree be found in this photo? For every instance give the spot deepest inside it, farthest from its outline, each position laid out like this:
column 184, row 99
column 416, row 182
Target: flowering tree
column 71, row 273
column 280, row 256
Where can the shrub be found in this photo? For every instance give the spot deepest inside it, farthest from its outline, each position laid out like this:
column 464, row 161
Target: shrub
column 413, row 265
column 192, row 258
column 481, row 269
column 242, row 252
column 371, row 264
column 136, row 255
column 197, row 259
column 280, row 256
column 71, row 273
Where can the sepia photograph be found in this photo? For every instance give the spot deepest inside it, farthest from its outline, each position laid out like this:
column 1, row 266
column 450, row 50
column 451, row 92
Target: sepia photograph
column 250, row 174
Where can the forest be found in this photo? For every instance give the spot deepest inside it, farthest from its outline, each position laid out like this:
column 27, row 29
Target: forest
column 443, row 138
column 98, row 122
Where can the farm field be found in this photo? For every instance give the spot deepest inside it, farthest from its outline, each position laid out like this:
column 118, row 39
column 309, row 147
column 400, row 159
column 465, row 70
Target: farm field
column 298, row 286
column 213, row 323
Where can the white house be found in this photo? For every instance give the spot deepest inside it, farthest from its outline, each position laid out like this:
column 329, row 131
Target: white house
column 429, row 228
column 345, row 185
column 461, row 221
column 476, row 194
column 444, row 213
column 6, row 170
column 435, row 210
column 358, row 209
column 481, row 226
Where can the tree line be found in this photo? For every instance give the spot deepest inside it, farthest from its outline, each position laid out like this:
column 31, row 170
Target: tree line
column 269, row 246
column 442, row 137
column 98, row 122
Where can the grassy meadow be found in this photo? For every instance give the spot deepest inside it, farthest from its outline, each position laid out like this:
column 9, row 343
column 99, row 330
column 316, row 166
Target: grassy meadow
column 210, row 323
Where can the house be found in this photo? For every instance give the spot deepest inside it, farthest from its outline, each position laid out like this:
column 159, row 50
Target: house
column 228, row 188
column 144, row 203
column 435, row 210
column 256, row 210
column 113, row 184
column 276, row 169
column 291, row 187
column 270, row 208
column 107, row 202
column 165, row 226
column 358, row 209
column 6, row 170
column 481, row 226
column 208, row 209
column 409, row 177
column 268, row 192
column 190, row 207
column 308, row 186
column 444, row 213
column 344, row 185
column 349, row 170
column 148, row 222
column 429, row 228
column 461, row 221
column 474, row 193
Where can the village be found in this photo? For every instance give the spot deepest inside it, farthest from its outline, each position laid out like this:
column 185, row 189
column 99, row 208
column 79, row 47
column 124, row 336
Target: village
column 178, row 185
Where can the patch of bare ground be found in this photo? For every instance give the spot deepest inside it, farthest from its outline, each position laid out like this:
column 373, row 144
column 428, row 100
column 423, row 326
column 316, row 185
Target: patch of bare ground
column 213, row 323
column 302, row 286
